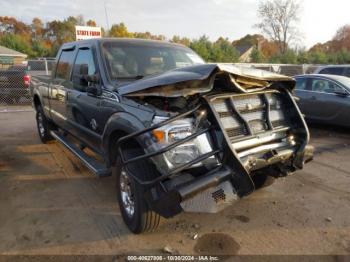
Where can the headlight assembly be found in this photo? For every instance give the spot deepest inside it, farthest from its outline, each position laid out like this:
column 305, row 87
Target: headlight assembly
column 177, row 131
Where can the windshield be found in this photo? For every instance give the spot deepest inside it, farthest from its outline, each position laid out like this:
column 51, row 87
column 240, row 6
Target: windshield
column 345, row 81
column 125, row 60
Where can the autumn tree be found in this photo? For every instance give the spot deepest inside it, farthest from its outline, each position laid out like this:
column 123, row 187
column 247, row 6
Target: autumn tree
column 278, row 20
column 37, row 28
column 181, row 40
column 148, row 35
column 91, row 23
column 11, row 25
column 119, row 30
column 269, row 48
column 341, row 40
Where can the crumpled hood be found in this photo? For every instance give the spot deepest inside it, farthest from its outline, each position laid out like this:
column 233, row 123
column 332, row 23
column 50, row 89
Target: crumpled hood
column 200, row 79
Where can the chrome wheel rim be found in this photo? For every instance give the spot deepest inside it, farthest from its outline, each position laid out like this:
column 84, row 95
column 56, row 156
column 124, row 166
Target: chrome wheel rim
column 126, row 193
column 41, row 125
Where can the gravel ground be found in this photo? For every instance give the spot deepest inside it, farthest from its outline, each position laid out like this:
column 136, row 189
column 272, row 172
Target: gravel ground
column 51, row 204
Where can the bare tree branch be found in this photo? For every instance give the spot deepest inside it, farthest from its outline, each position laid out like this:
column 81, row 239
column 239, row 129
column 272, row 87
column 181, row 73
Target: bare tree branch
column 278, row 21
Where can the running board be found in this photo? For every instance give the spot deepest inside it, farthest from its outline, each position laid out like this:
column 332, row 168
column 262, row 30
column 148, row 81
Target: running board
column 97, row 168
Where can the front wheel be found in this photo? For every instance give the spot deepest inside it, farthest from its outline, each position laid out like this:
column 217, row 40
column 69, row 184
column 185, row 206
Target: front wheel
column 133, row 207
column 43, row 126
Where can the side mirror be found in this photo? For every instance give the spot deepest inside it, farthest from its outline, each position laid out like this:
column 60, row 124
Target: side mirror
column 93, row 85
column 85, row 82
column 79, row 76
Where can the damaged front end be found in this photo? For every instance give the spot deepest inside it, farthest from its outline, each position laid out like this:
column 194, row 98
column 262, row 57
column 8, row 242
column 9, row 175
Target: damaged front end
column 223, row 129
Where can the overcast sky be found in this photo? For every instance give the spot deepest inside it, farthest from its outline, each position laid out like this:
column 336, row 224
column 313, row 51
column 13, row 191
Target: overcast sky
column 319, row 20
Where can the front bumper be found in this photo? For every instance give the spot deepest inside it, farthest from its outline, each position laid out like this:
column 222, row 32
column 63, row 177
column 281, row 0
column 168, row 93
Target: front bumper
column 172, row 192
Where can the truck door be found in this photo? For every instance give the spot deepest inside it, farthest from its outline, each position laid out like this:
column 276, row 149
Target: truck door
column 83, row 109
column 59, row 87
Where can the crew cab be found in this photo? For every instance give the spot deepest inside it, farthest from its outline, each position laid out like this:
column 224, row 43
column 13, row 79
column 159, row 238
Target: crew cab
column 177, row 133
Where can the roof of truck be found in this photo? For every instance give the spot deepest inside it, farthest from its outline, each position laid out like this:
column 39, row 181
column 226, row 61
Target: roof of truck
column 122, row 40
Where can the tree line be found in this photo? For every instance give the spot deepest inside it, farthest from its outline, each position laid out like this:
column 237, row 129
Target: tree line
column 39, row 39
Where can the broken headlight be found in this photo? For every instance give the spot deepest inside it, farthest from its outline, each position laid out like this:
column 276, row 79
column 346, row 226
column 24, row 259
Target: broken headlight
column 177, row 131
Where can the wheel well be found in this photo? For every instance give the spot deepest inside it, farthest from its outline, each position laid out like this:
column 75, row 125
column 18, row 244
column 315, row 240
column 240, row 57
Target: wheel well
column 36, row 101
column 114, row 137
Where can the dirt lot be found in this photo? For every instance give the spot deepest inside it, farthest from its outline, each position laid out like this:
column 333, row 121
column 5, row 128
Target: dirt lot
column 51, row 204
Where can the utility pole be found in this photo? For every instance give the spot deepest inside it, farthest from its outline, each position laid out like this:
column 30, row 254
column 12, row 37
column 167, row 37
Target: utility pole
column 107, row 21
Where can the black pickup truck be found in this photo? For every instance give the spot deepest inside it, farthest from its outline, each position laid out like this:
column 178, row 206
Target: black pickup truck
column 178, row 134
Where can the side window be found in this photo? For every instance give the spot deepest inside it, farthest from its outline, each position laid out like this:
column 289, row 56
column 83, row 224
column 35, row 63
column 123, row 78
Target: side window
column 301, row 84
column 347, row 72
column 325, row 86
column 333, row 71
column 64, row 65
column 84, row 57
column 333, row 88
column 84, row 62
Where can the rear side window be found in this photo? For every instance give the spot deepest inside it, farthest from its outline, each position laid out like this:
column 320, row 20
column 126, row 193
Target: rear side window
column 301, row 84
column 64, row 65
column 332, row 71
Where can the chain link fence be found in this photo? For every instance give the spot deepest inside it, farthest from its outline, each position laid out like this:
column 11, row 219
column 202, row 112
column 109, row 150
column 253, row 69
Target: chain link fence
column 15, row 81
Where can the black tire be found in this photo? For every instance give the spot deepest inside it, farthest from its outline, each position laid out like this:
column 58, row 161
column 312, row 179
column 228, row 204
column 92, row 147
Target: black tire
column 43, row 126
column 262, row 181
column 142, row 219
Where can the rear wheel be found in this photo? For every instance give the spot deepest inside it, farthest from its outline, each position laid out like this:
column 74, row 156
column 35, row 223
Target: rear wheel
column 43, row 126
column 134, row 209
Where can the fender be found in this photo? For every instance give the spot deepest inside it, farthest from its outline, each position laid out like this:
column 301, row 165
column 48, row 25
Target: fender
column 35, row 91
column 123, row 122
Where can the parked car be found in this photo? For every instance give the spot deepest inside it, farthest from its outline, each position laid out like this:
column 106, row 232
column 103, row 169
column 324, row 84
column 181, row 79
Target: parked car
column 341, row 70
column 324, row 98
column 14, row 84
column 177, row 133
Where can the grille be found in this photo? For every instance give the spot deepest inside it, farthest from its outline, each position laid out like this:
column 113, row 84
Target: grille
column 251, row 114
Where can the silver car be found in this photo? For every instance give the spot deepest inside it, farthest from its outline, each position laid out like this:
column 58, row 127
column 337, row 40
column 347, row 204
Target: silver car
column 324, row 98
